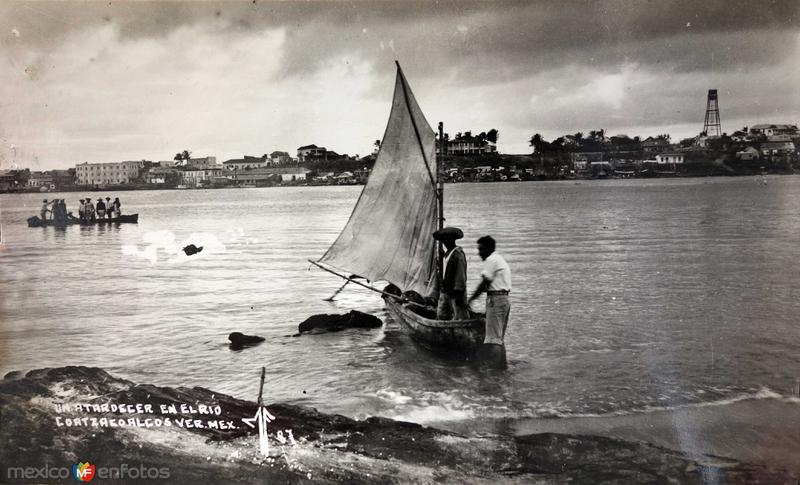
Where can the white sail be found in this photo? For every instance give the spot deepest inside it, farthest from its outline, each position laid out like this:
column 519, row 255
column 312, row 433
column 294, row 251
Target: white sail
column 388, row 236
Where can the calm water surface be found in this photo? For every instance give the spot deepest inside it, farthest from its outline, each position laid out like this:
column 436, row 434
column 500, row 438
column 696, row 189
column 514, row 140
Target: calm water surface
column 628, row 295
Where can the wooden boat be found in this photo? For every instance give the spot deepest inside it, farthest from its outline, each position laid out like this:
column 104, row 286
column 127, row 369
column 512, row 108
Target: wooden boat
column 389, row 236
column 36, row 221
column 451, row 336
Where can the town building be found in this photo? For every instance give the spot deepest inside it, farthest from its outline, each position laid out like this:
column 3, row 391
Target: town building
column 774, row 129
column 777, row 148
column 13, row 180
column 669, row 158
column 280, row 158
column 265, row 176
column 468, row 145
column 114, row 173
column 749, row 153
column 160, row 175
column 655, row 145
column 41, row 180
column 310, row 153
column 246, row 163
column 197, row 162
column 199, row 177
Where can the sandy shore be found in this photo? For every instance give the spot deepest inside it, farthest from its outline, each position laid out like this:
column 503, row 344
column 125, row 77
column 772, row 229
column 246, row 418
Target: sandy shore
column 762, row 431
column 324, row 448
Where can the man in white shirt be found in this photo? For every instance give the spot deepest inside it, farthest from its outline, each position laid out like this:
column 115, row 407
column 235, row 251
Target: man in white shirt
column 496, row 282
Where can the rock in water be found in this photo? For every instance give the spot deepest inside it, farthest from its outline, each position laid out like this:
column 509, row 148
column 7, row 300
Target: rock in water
column 240, row 340
column 334, row 322
column 192, row 249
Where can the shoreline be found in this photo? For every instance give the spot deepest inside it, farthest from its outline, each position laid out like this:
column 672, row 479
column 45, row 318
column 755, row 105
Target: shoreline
column 576, row 180
column 328, row 448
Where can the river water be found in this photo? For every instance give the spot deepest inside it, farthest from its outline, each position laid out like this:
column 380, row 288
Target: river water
column 629, row 296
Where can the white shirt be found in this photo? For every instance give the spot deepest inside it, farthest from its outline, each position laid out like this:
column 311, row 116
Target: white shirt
column 497, row 271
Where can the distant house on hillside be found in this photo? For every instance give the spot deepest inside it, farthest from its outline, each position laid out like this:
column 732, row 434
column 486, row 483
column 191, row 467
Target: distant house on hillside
column 777, row 148
column 774, row 129
column 280, row 158
column 655, row 145
column 468, row 145
column 669, row 158
column 309, row 153
column 749, row 153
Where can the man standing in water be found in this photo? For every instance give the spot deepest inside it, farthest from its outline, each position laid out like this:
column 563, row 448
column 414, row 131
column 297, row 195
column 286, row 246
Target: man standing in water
column 453, row 294
column 45, row 209
column 496, row 282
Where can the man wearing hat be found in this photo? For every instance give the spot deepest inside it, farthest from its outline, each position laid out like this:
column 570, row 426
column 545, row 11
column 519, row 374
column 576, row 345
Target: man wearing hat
column 100, row 207
column 108, row 208
column 453, row 293
column 88, row 207
column 45, row 209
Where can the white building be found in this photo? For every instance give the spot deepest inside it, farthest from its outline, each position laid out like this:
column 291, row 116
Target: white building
column 669, row 158
column 774, row 129
column 197, row 177
column 246, row 163
column 42, row 180
column 113, row 173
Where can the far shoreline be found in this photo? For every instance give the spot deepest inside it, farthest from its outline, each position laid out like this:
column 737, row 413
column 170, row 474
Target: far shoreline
column 574, row 181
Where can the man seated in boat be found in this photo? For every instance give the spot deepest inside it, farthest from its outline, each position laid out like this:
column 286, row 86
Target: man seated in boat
column 453, row 294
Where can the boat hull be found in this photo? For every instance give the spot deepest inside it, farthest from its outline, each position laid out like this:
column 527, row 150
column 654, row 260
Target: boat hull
column 454, row 337
column 35, row 221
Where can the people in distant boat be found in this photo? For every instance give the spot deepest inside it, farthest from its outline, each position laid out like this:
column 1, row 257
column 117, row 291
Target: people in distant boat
column 100, row 207
column 59, row 212
column 89, row 211
column 109, row 208
column 117, row 207
column 453, row 293
column 46, row 209
column 82, row 210
column 496, row 282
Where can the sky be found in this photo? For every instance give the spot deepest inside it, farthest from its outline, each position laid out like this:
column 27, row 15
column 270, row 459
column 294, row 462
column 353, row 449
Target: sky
column 112, row 81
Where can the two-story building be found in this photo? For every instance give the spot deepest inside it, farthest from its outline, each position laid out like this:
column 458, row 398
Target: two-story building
column 41, row 180
column 280, row 158
column 114, row 173
column 655, row 144
column 199, row 177
column 246, row 163
column 311, row 153
column 468, row 146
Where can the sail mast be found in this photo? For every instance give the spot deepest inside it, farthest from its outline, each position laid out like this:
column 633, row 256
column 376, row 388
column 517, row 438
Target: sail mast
column 440, row 206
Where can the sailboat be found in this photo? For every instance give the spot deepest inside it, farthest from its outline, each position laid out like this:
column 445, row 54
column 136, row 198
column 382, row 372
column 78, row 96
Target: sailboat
column 388, row 237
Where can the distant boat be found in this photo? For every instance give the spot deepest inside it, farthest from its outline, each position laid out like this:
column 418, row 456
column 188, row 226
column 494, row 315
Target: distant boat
column 36, row 221
column 181, row 187
column 248, row 186
column 389, row 236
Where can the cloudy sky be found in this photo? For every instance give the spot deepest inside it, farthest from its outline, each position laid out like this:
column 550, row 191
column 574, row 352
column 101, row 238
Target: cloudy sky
column 110, row 81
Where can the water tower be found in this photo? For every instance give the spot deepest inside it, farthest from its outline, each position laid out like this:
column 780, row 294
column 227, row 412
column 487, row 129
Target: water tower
column 712, row 126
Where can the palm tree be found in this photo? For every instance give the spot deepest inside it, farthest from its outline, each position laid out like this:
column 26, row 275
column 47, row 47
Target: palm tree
column 536, row 143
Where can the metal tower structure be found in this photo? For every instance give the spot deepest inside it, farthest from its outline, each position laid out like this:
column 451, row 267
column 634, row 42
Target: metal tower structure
column 712, row 126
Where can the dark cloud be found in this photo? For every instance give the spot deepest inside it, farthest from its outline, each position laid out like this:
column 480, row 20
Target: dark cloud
column 518, row 66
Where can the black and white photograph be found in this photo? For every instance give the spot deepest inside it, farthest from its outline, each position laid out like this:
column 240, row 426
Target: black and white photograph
column 406, row 242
